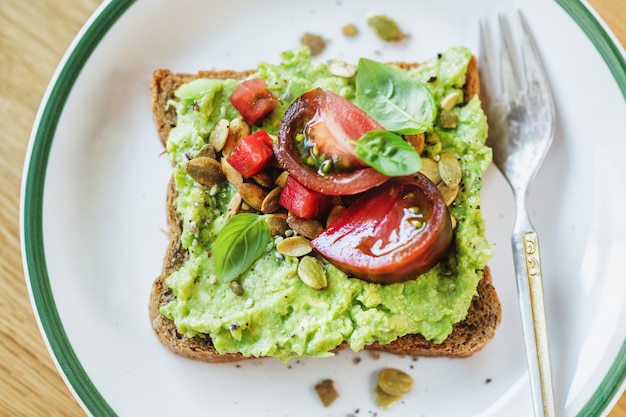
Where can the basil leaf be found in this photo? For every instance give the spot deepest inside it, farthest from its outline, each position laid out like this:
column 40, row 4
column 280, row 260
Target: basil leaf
column 239, row 244
column 397, row 101
column 388, row 153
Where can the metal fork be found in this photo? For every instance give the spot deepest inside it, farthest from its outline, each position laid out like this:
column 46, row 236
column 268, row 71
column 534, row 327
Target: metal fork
column 521, row 115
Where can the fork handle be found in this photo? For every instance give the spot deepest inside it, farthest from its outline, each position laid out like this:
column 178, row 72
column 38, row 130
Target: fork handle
column 525, row 244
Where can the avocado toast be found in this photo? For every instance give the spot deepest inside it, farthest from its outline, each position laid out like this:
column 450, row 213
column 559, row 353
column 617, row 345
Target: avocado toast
column 267, row 310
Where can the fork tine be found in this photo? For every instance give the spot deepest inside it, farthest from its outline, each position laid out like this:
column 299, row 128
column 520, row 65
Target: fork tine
column 534, row 71
column 485, row 54
column 510, row 80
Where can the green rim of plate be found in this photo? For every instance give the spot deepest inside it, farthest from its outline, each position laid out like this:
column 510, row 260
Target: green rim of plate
column 613, row 55
column 33, row 191
column 32, row 206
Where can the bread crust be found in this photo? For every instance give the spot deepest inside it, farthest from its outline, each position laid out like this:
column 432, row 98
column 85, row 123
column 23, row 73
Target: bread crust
column 468, row 336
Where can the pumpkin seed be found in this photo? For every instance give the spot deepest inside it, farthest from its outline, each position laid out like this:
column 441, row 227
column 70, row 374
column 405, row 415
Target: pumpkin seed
column 207, row 150
column 312, row 273
column 263, row 179
column 252, row 194
column 385, row 28
column 237, row 130
column 383, row 399
column 453, row 220
column 296, row 246
column 271, row 201
column 205, row 170
column 394, row 381
column 281, row 180
column 277, row 223
column 430, row 168
column 432, row 138
column 448, row 193
column 232, row 175
column 334, row 213
column 308, row 228
column 219, row 134
column 341, row 68
column 449, row 169
column 448, row 120
column 449, row 101
column 234, row 206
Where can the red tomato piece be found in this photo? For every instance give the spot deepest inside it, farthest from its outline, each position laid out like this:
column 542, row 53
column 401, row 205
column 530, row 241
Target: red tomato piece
column 253, row 100
column 313, row 147
column 303, row 202
column 391, row 233
column 252, row 154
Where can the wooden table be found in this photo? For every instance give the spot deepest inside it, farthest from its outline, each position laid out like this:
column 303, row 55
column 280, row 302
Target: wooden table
column 33, row 36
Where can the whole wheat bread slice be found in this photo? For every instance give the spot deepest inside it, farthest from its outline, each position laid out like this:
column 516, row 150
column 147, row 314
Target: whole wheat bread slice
column 467, row 337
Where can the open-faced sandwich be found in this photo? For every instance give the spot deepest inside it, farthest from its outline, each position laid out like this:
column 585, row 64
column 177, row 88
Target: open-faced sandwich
column 317, row 206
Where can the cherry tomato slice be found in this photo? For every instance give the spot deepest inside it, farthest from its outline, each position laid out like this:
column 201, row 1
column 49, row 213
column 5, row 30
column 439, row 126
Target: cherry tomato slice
column 312, row 144
column 391, row 233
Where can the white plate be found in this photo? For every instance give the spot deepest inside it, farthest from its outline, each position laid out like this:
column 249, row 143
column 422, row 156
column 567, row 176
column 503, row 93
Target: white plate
column 93, row 213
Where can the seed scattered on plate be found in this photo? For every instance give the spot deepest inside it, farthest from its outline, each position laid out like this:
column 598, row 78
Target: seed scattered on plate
column 350, row 30
column 385, row 28
column 326, row 391
column 392, row 385
column 316, row 43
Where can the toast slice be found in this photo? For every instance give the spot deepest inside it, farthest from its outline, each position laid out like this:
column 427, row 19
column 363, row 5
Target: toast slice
column 467, row 337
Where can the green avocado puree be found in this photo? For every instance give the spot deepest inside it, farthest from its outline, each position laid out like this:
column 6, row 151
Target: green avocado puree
column 278, row 315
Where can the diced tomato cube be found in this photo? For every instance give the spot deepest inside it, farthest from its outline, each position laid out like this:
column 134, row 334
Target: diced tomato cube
column 252, row 154
column 253, row 100
column 303, row 202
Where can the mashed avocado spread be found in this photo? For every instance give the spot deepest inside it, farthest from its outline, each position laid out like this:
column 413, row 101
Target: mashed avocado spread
column 277, row 314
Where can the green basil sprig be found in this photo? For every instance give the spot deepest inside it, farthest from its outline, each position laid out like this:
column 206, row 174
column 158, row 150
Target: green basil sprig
column 397, row 101
column 388, row 153
column 242, row 241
